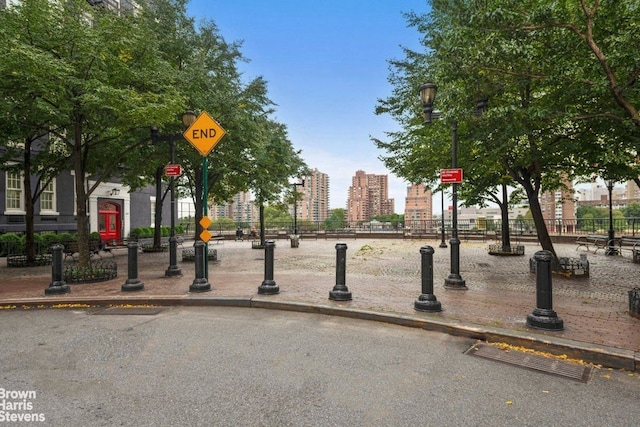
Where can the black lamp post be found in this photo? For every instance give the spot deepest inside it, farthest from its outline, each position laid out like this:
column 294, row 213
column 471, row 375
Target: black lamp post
column 611, row 249
column 187, row 119
column 295, row 206
column 427, row 95
column 443, row 244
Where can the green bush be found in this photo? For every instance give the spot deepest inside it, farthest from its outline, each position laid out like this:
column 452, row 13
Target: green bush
column 49, row 239
column 66, row 237
column 11, row 243
column 135, row 233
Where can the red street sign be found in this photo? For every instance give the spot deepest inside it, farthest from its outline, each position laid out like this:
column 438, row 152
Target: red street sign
column 451, row 176
column 173, row 170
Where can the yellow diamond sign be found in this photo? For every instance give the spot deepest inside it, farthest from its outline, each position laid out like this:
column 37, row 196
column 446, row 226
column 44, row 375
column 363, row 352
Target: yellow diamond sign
column 204, row 133
column 205, row 236
column 205, row 222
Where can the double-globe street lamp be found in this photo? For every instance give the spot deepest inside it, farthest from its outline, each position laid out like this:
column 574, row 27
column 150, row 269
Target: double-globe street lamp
column 188, row 118
column 428, row 95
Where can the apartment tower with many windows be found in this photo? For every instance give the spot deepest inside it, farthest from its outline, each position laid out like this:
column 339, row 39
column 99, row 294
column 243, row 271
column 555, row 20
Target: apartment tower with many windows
column 368, row 197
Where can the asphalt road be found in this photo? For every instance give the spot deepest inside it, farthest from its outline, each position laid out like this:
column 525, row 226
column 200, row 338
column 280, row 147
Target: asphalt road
column 249, row 367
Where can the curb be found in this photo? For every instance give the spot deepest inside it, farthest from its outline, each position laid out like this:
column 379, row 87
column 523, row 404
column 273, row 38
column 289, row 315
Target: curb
column 598, row 354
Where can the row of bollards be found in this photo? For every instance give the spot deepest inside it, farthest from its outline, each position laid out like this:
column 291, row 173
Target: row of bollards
column 542, row 317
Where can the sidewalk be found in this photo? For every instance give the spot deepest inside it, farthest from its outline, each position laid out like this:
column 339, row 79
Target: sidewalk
column 385, row 279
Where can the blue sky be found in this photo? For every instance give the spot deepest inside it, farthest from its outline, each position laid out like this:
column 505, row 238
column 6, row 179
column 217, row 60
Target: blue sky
column 326, row 65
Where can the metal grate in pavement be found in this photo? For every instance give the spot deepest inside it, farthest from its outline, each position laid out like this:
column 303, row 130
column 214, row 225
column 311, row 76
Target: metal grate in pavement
column 132, row 311
column 536, row 362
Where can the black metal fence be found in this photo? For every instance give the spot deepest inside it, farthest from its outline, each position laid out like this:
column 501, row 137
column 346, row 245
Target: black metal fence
column 622, row 226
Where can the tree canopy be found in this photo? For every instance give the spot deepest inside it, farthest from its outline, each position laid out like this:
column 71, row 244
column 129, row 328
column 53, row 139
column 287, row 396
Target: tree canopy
column 93, row 80
column 559, row 83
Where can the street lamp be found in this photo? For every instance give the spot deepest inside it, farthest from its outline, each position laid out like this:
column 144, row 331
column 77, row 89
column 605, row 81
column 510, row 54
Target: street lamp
column 611, row 249
column 427, row 95
column 295, row 206
column 187, row 119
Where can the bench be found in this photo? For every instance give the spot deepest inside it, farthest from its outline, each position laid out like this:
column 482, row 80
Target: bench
column 474, row 234
column 145, row 244
column 422, row 234
column 340, row 233
column 631, row 244
column 597, row 241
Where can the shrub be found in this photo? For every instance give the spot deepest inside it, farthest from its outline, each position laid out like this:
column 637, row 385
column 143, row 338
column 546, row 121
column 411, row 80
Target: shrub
column 66, row 237
column 11, row 243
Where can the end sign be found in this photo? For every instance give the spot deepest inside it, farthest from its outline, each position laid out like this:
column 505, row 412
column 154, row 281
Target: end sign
column 204, row 133
column 451, row 176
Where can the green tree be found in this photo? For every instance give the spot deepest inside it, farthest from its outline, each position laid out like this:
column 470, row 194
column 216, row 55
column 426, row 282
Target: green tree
column 110, row 80
column 394, row 219
column 632, row 210
column 542, row 126
column 336, row 220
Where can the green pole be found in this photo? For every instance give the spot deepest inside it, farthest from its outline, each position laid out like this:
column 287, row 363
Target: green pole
column 205, row 193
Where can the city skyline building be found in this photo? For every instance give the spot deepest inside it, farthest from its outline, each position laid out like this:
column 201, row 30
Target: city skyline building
column 314, row 204
column 418, row 206
column 368, row 197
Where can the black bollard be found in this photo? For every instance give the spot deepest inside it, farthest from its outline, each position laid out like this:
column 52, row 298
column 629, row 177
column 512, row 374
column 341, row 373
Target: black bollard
column 268, row 286
column 427, row 300
column 57, row 285
column 543, row 317
column 340, row 291
column 132, row 283
column 200, row 283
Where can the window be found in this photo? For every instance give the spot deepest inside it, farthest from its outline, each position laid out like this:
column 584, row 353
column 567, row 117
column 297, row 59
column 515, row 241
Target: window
column 14, row 193
column 48, row 199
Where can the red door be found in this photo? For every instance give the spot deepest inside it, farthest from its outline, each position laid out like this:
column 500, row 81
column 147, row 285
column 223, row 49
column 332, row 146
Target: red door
column 109, row 225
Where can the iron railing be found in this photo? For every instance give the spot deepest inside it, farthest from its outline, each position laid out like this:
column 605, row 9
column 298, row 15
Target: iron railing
column 575, row 227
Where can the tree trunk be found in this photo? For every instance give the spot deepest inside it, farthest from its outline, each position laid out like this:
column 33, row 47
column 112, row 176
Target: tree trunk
column 81, row 198
column 504, row 213
column 28, row 205
column 536, row 213
column 157, row 220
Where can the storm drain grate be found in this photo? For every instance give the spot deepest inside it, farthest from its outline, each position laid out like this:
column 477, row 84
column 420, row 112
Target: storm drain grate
column 131, row 311
column 536, row 362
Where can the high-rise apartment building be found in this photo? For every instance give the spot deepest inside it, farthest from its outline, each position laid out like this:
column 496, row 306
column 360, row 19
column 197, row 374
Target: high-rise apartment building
column 368, row 197
column 418, row 205
column 558, row 204
column 241, row 209
column 314, row 203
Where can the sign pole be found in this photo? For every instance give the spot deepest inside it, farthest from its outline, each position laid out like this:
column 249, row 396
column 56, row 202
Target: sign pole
column 204, row 133
column 205, row 210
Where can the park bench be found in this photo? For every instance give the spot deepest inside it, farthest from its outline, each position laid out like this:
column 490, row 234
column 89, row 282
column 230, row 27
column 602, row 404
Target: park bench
column 596, row 241
column 219, row 238
column 340, row 233
column 308, row 235
column 422, row 234
column 474, row 234
column 632, row 245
